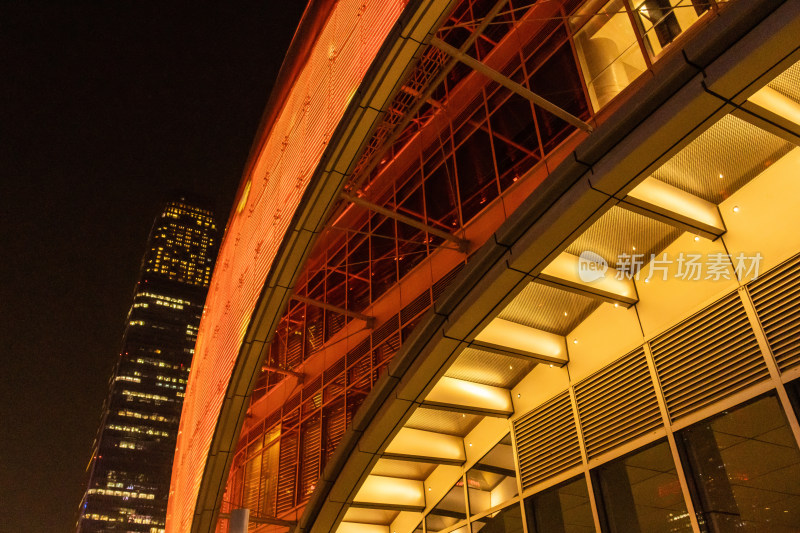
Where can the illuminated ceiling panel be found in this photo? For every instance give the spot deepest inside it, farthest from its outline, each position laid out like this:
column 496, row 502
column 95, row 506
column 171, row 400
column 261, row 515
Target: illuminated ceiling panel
column 788, row 82
column 620, row 232
column 489, row 368
column 722, row 159
column 548, row 308
column 448, row 422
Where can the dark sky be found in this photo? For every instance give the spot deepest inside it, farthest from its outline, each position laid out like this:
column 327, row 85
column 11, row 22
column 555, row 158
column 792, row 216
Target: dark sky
column 104, row 108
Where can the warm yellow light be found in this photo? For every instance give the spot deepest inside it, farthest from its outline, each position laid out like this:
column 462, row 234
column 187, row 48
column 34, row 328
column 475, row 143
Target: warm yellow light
column 773, row 101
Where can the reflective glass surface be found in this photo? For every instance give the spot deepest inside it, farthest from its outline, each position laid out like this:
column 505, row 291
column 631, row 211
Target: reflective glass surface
column 661, row 21
column 745, row 466
column 508, row 520
column 449, row 511
column 640, row 493
column 609, row 53
column 564, row 508
column 492, row 481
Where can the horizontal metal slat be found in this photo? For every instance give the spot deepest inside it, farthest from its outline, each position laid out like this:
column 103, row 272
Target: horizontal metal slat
column 547, row 440
column 707, row 357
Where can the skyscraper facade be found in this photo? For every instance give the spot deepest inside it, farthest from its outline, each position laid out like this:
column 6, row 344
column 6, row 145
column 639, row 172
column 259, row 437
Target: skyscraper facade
column 132, row 454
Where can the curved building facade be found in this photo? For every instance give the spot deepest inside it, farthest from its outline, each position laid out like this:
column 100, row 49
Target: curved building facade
column 510, row 266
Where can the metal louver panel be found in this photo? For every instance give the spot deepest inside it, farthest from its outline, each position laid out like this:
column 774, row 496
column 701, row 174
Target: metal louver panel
column 252, row 482
column 287, row 472
column 386, row 329
column 547, row 440
column 417, row 305
column 310, row 455
column 334, row 425
column 616, row 404
column 440, row 286
column 708, row 357
column 776, row 296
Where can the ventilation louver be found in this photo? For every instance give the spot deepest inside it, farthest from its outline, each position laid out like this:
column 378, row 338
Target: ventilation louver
column 708, row 357
column 439, row 287
column 287, row 472
column 617, row 404
column 547, row 441
column 776, row 296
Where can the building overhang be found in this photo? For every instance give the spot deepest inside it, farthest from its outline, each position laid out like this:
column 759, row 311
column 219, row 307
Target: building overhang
column 739, row 53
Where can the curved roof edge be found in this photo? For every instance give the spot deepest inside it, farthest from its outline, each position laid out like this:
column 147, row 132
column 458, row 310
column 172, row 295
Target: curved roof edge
column 311, row 25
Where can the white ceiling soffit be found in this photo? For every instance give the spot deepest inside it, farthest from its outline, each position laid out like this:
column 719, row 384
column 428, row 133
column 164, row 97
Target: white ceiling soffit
column 511, row 338
column 428, row 446
column 676, row 207
column 384, row 492
column 469, row 397
column 588, row 276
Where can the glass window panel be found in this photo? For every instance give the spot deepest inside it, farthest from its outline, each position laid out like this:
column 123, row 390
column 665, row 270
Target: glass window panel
column 476, row 179
column 440, row 196
column 640, row 493
column 564, row 508
column 793, row 390
column 269, row 472
column 661, row 21
column 508, row 520
column 408, row 193
column 609, row 53
column 358, row 275
column 411, row 251
column 492, row 481
column 252, row 483
column 513, row 121
column 746, row 469
column 512, row 162
column 555, row 77
column 449, row 511
column 473, row 117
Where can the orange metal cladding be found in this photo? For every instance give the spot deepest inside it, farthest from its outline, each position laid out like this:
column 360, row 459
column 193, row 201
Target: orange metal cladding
column 268, row 197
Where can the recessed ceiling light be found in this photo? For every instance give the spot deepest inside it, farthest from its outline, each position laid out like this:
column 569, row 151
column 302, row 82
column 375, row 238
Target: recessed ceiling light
column 470, row 445
column 736, row 209
column 565, row 313
column 721, row 176
column 510, row 367
column 647, row 280
column 518, row 395
column 551, row 366
column 634, row 248
column 575, row 341
column 616, row 305
column 696, row 238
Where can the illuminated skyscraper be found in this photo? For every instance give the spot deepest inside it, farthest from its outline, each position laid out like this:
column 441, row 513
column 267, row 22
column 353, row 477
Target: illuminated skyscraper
column 132, row 456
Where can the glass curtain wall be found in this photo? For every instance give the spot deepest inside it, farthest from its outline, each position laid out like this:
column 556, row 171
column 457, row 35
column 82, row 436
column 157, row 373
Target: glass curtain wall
column 744, row 466
column 481, row 140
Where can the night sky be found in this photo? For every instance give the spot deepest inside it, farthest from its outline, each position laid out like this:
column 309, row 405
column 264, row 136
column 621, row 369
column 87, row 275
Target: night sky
column 105, row 107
